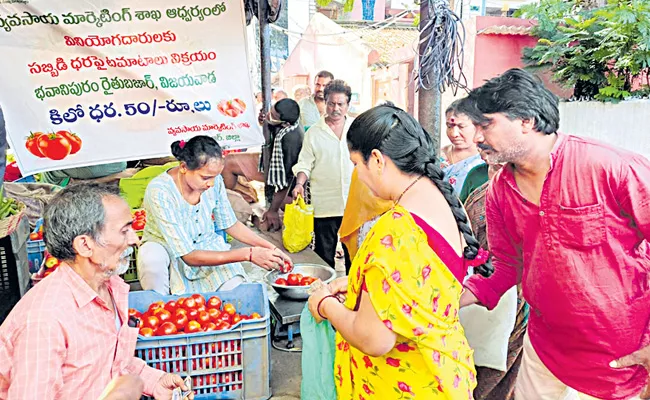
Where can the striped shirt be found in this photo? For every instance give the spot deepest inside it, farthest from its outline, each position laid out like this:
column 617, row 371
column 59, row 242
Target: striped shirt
column 183, row 228
column 60, row 341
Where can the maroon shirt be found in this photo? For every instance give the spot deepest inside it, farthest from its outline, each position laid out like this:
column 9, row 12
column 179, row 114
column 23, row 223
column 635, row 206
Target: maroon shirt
column 584, row 262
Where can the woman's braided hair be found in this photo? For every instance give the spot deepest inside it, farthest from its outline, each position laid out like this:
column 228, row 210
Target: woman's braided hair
column 401, row 138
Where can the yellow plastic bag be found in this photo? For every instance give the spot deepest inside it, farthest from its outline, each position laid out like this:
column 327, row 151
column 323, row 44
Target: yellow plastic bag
column 298, row 225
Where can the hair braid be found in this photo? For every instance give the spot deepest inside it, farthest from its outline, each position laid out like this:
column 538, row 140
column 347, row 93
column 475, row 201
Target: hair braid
column 434, row 172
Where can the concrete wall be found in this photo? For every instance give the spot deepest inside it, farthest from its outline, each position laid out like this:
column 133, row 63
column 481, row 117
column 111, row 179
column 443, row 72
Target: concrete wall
column 626, row 124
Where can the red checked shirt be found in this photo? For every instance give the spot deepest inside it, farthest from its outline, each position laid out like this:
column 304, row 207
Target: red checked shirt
column 61, row 342
column 584, row 262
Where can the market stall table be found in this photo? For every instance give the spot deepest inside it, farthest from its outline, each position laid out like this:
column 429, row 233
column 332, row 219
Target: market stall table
column 285, row 312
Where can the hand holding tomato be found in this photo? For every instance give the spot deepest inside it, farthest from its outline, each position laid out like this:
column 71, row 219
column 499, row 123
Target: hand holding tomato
column 268, row 259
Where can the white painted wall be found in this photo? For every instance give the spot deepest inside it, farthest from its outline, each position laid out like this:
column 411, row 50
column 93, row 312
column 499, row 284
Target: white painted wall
column 626, row 124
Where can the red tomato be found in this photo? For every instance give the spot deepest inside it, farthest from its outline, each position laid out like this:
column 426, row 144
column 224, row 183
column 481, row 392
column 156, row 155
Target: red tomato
column 54, row 147
column 236, row 319
column 151, row 321
column 180, row 320
column 75, row 141
column 180, row 311
column 225, row 317
column 193, row 327
column 256, row 316
column 181, row 302
column 223, row 106
column 145, row 331
column 214, row 313
column 200, row 308
column 171, row 306
column 190, row 303
column 138, row 225
column 210, row 326
column 306, row 281
column 238, row 105
column 299, row 277
column 293, row 280
column 32, row 144
column 163, row 315
column 204, row 317
column 167, row 328
column 193, row 314
column 33, row 236
column 221, row 325
column 158, row 304
column 281, row 281
column 214, row 302
column 134, row 313
column 200, row 300
column 229, row 308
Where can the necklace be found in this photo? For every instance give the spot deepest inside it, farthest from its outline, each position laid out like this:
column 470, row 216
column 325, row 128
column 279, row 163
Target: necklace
column 407, row 189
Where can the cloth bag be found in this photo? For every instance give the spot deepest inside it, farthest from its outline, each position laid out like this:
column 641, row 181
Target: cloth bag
column 318, row 351
column 298, row 225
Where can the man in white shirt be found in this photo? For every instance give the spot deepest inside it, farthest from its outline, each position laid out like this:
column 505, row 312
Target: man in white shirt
column 325, row 161
column 312, row 108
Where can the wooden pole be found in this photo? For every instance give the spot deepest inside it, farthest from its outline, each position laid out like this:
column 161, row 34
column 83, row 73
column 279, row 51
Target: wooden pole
column 429, row 108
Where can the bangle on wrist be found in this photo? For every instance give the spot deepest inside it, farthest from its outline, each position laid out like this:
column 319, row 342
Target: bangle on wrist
column 321, row 302
column 250, row 257
column 298, row 183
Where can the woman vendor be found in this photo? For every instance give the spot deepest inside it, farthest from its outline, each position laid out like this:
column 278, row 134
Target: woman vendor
column 181, row 253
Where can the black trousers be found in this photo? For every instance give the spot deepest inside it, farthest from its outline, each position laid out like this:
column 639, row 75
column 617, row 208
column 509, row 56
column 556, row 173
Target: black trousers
column 326, row 231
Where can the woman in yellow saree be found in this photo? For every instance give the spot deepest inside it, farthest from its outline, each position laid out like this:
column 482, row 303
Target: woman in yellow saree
column 398, row 334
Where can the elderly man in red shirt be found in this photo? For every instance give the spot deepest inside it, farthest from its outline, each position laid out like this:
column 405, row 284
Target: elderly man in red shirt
column 569, row 218
column 69, row 336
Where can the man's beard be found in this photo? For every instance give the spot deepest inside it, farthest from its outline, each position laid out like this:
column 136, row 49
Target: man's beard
column 122, row 264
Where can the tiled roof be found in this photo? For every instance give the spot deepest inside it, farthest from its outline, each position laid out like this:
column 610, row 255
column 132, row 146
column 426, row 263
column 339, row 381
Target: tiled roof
column 506, row 30
column 384, row 41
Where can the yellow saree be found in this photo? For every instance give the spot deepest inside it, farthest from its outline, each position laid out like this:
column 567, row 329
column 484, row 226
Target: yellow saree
column 417, row 297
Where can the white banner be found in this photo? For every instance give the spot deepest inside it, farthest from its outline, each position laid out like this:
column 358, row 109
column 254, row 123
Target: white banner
column 92, row 82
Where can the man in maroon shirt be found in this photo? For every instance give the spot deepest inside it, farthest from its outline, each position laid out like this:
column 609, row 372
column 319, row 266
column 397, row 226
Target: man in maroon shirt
column 569, row 218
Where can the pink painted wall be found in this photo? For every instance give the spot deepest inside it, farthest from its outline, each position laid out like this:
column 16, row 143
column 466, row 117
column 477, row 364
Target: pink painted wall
column 495, row 54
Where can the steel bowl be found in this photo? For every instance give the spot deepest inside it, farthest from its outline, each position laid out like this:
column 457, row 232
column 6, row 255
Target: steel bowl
column 324, row 273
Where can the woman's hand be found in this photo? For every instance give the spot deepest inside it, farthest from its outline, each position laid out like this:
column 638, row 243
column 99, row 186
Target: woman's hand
column 339, row 285
column 315, row 299
column 268, row 259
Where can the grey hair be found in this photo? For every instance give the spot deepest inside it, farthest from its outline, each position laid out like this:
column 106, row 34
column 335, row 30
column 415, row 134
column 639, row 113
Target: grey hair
column 76, row 210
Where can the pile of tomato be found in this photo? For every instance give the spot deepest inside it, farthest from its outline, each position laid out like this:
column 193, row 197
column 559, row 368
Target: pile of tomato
column 188, row 315
column 55, row 146
column 296, row 280
column 139, row 220
column 51, row 264
column 37, row 235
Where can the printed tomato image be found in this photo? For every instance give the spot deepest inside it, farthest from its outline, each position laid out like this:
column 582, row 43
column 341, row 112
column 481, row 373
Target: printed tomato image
column 231, row 108
column 75, row 141
column 32, row 144
column 55, row 146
